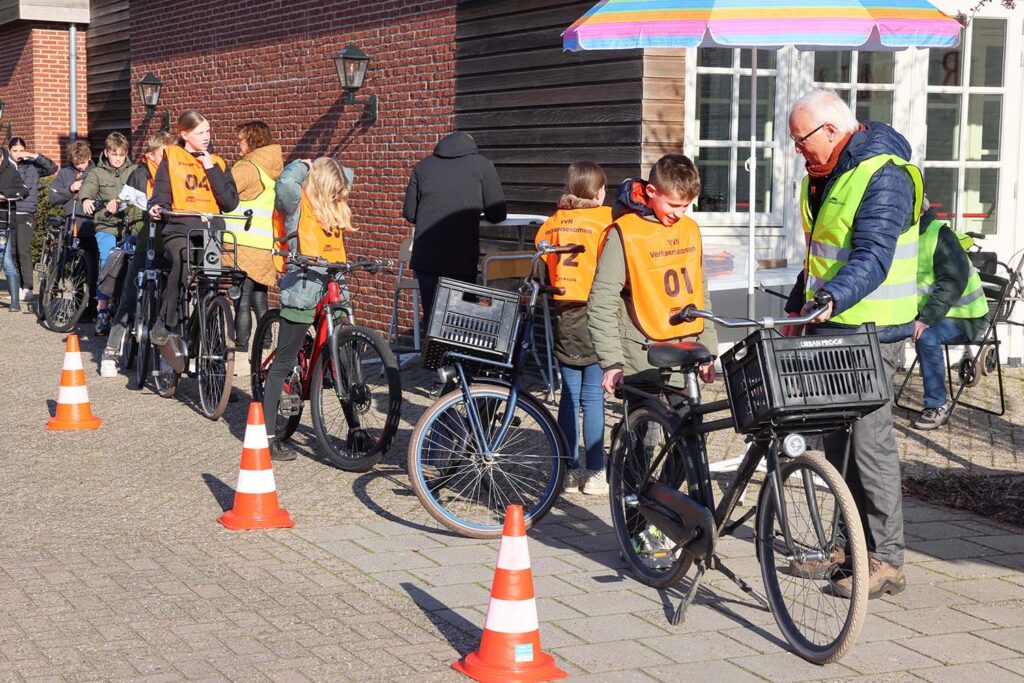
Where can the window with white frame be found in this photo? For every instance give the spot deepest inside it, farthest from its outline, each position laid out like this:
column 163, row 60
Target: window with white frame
column 866, row 80
column 966, row 96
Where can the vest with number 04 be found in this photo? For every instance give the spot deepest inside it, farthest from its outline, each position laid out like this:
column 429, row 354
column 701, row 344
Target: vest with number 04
column 663, row 264
column 972, row 303
column 310, row 238
column 575, row 272
column 260, row 234
column 190, row 188
column 894, row 302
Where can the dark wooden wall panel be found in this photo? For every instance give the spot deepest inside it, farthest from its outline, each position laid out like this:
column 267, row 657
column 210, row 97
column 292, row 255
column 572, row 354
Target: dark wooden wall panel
column 109, row 71
column 534, row 108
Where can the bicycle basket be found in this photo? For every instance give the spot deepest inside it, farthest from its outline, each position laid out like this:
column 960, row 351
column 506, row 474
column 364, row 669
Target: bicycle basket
column 478, row 321
column 820, row 383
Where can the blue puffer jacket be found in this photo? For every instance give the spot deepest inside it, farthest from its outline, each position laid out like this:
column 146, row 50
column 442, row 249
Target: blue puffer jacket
column 885, row 212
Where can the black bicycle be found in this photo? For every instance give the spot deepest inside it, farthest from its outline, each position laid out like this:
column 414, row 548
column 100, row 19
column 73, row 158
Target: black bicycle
column 808, row 536
column 65, row 272
column 137, row 354
column 202, row 344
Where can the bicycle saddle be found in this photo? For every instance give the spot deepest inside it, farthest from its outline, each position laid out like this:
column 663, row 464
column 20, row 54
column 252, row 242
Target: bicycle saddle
column 678, row 354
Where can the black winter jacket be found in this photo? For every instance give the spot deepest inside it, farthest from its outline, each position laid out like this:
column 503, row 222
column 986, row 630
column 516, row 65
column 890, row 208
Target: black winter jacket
column 446, row 193
column 884, row 214
column 11, row 184
column 60, row 190
column 31, row 171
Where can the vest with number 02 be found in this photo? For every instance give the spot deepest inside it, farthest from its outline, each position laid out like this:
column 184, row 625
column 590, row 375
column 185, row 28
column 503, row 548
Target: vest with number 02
column 260, row 234
column 894, row 302
column 972, row 303
column 575, row 272
column 309, row 238
column 663, row 264
column 190, row 188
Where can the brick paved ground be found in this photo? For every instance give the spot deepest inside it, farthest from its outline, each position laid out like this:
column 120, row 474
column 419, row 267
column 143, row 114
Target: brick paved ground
column 112, row 565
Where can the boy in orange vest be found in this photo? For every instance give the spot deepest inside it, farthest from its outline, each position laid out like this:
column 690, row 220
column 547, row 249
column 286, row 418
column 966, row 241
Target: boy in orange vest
column 650, row 267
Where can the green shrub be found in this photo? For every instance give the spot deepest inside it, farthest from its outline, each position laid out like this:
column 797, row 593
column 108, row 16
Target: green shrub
column 44, row 211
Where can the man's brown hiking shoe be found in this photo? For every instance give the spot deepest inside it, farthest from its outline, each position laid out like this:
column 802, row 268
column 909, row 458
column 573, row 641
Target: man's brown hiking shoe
column 883, row 578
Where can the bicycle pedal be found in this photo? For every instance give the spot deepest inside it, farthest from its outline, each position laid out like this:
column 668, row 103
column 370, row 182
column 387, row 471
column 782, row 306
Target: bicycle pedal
column 290, row 405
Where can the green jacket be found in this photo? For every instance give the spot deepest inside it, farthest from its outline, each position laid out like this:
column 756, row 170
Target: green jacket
column 617, row 340
column 101, row 185
column 952, row 269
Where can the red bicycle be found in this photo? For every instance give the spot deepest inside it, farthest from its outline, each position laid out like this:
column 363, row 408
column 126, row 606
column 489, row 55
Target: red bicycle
column 347, row 373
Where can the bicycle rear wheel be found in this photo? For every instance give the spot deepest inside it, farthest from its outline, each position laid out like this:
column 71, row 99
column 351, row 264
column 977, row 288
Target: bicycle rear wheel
column 215, row 362
column 262, row 352
column 827, row 545
column 652, row 556
column 355, row 413
column 145, row 317
column 466, row 489
column 67, row 294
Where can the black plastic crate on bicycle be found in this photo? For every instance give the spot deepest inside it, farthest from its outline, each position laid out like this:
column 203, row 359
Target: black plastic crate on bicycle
column 467, row 318
column 815, row 383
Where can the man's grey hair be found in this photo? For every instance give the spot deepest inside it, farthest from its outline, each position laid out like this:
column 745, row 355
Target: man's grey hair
column 826, row 106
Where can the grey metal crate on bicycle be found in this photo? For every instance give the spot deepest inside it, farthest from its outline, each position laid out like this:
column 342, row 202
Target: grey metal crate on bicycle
column 808, row 538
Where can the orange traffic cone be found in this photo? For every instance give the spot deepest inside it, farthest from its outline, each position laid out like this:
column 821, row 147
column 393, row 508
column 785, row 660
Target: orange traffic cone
column 256, row 496
column 510, row 646
column 73, row 410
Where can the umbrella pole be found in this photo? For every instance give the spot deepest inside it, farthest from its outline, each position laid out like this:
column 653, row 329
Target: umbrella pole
column 752, row 168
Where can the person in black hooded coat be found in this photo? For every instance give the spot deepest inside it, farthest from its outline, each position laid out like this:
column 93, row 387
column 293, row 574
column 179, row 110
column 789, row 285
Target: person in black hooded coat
column 446, row 194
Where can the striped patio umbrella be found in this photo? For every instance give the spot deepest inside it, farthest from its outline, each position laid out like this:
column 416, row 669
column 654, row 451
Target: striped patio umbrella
column 876, row 25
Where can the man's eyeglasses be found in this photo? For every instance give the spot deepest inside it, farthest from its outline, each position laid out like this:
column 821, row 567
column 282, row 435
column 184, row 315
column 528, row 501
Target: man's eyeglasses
column 799, row 142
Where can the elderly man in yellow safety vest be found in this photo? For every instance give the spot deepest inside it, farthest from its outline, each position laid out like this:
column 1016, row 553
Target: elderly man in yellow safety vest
column 860, row 203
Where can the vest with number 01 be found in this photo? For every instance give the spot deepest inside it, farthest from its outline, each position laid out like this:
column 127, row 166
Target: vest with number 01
column 663, row 264
column 894, row 302
column 309, row 239
column 260, row 234
column 575, row 272
column 190, row 188
column 972, row 303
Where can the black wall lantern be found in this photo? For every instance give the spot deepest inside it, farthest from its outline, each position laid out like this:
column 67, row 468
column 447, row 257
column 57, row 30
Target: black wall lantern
column 351, row 64
column 9, row 133
column 149, row 92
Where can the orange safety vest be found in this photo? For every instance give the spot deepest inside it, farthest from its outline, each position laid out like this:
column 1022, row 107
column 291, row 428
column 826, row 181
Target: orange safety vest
column 575, row 272
column 313, row 239
column 663, row 265
column 152, row 166
column 190, row 188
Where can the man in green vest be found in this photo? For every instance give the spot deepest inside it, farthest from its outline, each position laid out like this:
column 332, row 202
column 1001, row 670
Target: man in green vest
column 951, row 310
column 860, row 204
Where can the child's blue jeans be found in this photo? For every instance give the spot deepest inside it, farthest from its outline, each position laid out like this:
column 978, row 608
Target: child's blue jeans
column 581, row 386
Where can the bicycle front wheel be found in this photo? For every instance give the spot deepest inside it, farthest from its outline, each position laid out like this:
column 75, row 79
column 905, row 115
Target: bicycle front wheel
column 145, row 317
column 825, row 550
column 466, row 485
column 262, row 353
column 216, row 360
column 650, row 554
column 355, row 407
column 67, row 294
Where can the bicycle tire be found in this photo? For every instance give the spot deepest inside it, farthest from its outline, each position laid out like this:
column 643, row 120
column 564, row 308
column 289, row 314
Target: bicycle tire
column 215, row 363
column 146, row 316
column 49, row 254
column 780, row 576
column 374, row 399
column 62, row 313
column 262, row 352
column 443, row 459
column 650, row 555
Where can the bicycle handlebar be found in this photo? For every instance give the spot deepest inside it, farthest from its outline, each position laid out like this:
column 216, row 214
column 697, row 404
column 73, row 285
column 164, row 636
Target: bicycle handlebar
column 303, row 261
column 691, row 313
column 207, row 217
column 545, row 247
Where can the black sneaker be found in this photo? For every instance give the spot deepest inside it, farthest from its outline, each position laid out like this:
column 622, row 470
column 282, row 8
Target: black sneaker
column 932, row 418
column 281, row 451
column 102, row 328
column 159, row 334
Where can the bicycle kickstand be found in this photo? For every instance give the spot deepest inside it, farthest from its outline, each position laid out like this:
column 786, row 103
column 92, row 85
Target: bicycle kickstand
column 680, row 615
column 744, row 586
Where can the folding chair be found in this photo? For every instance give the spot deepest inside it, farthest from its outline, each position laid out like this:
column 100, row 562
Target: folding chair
column 404, row 283
column 516, row 264
column 972, row 367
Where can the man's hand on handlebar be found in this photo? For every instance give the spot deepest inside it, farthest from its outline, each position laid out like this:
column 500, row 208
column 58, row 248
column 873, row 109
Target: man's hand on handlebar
column 707, row 373
column 821, row 298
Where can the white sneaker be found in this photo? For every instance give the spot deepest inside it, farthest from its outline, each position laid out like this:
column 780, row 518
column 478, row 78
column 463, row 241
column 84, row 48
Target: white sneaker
column 28, row 297
column 594, row 483
column 108, row 366
column 574, row 479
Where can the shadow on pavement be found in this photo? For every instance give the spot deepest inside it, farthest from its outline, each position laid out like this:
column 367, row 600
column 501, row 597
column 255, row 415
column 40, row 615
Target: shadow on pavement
column 224, row 494
column 461, row 634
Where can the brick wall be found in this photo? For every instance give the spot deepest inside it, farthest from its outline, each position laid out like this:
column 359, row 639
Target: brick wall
column 34, row 85
column 274, row 64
